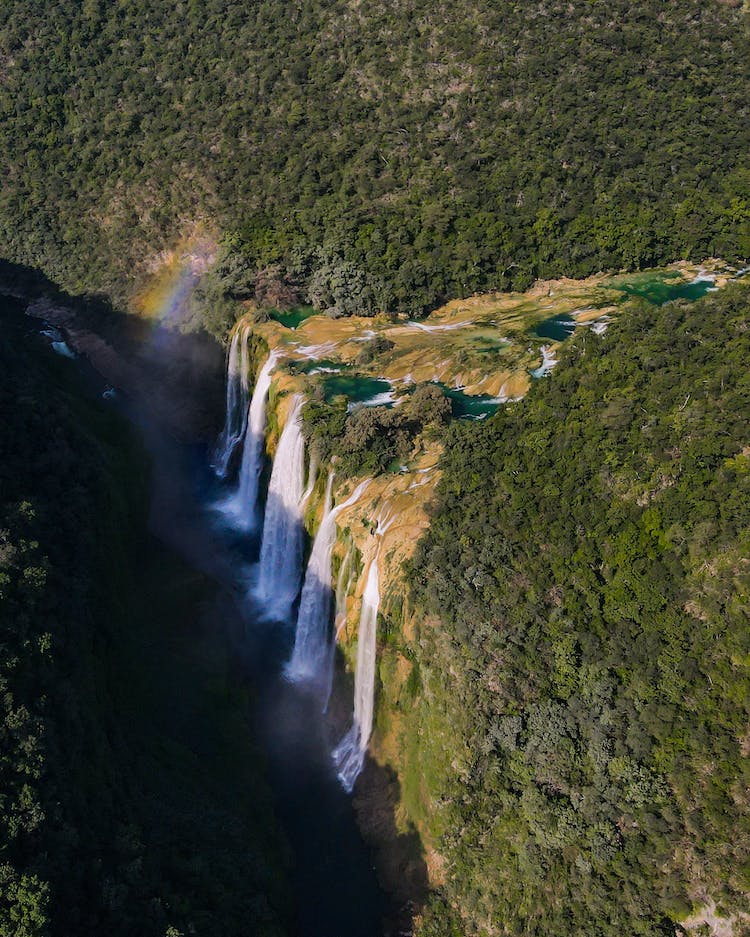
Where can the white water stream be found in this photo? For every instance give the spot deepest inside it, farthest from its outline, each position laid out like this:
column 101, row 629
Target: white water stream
column 280, row 567
column 349, row 756
column 311, row 661
column 238, row 396
column 241, row 507
column 548, row 362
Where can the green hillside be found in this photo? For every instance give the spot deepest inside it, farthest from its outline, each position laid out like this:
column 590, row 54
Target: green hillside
column 580, row 742
column 131, row 798
column 561, row 743
column 369, row 155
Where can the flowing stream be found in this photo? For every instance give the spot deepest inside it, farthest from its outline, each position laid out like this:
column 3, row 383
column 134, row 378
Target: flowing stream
column 241, row 508
column 311, row 662
column 280, row 568
column 350, row 754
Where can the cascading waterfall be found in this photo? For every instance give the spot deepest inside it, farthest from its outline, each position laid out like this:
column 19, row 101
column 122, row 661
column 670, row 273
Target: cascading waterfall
column 314, row 607
column 280, row 567
column 349, row 756
column 312, row 475
column 343, row 588
column 238, row 396
column 311, row 661
column 241, row 506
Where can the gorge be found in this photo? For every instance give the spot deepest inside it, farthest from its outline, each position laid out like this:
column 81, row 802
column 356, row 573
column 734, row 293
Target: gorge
column 374, row 468
column 319, row 551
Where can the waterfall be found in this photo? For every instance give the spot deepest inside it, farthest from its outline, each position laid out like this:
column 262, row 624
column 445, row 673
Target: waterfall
column 311, row 659
column 280, row 567
column 312, row 475
column 238, row 395
column 343, row 588
column 349, row 756
column 548, row 362
column 241, row 506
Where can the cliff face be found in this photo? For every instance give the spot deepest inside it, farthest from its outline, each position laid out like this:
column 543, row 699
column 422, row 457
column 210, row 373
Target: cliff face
column 420, row 738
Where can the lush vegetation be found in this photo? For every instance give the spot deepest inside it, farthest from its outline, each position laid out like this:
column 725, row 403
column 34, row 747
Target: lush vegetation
column 576, row 721
column 130, row 799
column 372, row 155
column 371, row 440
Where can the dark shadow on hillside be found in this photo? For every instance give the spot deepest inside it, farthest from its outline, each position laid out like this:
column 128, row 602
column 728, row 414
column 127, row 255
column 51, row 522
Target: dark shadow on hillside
column 177, row 377
column 335, row 886
column 399, row 855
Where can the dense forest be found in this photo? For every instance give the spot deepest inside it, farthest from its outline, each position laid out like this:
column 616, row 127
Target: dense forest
column 131, row 801
column 578, row 745
column 572, row 740
column 368, row 155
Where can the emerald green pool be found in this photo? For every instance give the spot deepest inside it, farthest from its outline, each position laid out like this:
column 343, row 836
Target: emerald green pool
column 660, row 288
column 357, row 388
column 557, row 328
column 469, row 406
column 293, row 318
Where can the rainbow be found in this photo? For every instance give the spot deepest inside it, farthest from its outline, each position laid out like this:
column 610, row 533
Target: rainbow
column 165, row 298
